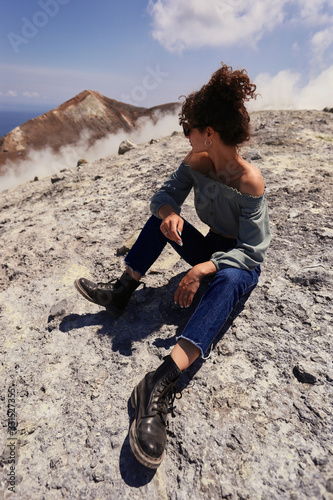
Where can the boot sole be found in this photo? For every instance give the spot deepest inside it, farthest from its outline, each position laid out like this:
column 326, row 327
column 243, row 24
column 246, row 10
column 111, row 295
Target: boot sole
column 139, row 454
column 84, row 294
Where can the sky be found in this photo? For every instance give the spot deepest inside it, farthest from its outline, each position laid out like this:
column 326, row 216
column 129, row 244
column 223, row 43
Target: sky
column 151, row 52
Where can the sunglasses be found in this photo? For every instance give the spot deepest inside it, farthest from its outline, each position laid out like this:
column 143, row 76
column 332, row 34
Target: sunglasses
column 187, row 129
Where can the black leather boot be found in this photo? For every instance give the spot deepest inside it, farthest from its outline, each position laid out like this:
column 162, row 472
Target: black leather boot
column 113, row 296
column 150, row 399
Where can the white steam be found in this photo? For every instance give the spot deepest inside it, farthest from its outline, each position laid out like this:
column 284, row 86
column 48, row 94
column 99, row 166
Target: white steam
column 46, row 162
column 286, row 90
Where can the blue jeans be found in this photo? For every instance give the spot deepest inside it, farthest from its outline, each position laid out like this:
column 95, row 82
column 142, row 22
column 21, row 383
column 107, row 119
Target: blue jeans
column 226, row 293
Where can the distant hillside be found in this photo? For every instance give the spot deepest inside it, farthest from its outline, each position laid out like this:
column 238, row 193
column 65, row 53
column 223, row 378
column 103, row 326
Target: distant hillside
column 63, row 125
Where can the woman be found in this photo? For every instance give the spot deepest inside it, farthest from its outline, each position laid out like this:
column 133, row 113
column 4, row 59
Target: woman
column 229, row 198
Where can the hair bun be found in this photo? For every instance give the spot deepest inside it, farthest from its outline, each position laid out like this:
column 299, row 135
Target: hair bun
column 231, row 86
column 220, row 104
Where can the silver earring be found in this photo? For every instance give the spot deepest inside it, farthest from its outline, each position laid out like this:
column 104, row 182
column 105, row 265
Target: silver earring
column 208, row 142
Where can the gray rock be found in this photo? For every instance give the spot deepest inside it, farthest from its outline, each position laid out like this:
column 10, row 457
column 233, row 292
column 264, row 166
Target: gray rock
column 252, row 155
column 81, row 161
column 126, row 146
column 303, row 374
column 245, row 427
column 329, row 485
column 56, row 178
column 124, row 249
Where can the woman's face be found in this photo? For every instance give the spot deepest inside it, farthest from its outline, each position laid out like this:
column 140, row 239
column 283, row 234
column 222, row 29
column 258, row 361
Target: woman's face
column 197, row 140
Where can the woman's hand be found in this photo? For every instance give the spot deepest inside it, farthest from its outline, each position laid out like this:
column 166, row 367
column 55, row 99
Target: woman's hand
column 189, row 285
column 187, row 288
column 172, row 225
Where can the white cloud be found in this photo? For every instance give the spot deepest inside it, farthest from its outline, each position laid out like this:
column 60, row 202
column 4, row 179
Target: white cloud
column 188, row 24
column 285, row 90
column 314, row 12
column 11, row 93
column 184, row 24
column 30, row 94
column 320, row 42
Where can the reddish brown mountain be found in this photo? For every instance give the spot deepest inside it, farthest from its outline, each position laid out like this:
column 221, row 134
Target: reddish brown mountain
column 89, row 110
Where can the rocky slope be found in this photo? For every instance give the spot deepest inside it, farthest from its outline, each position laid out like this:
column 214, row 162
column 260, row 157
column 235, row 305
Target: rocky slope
column 255, row 419
column 88, row 112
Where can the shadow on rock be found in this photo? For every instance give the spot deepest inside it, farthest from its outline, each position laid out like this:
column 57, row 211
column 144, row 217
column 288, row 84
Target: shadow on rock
column 148, row 310
column 75, row 321
column 133, row 472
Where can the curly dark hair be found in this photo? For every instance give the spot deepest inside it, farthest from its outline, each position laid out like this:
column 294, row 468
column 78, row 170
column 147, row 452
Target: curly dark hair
column 220, row 104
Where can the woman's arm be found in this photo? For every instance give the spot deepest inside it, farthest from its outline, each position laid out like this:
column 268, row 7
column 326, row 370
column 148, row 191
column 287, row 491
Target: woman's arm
column 189, row 285
column 172, row 225
column 174, row 191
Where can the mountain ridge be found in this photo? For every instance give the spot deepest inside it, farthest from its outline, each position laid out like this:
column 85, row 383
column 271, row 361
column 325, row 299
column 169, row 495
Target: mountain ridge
column 87, row 111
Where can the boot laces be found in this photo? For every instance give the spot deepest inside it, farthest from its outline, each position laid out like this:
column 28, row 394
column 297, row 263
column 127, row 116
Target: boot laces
column 164, row 401
column 107, row 285
column 115, row 283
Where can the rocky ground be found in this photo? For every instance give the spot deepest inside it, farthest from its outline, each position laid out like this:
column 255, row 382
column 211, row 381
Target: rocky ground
column 255, row 419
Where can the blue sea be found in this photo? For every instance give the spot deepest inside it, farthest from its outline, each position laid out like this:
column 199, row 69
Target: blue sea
column 12, row 119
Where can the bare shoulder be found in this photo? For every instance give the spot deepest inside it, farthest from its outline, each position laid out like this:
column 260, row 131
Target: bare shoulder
column 199, row 161
column 251, row 181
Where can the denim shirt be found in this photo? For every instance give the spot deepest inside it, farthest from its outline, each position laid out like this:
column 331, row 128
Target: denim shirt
column 225, row 210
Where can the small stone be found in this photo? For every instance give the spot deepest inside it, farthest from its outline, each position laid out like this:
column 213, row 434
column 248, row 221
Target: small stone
column 128, row 244
column 58, row 310
column 56, row 178
column 225, row 349
column 317, row 359
column 320, row 460
column 81, row 161
column 98, row 477
column 126, row 146
column 303, row 375
column 329, row 485
column 252, row 155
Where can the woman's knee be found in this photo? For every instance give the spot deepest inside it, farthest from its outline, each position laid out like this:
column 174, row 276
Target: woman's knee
column 232, row 277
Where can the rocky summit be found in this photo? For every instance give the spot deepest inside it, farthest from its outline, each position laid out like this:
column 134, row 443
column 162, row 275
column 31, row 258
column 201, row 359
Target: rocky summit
column 88, row 113
column 255, row 419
